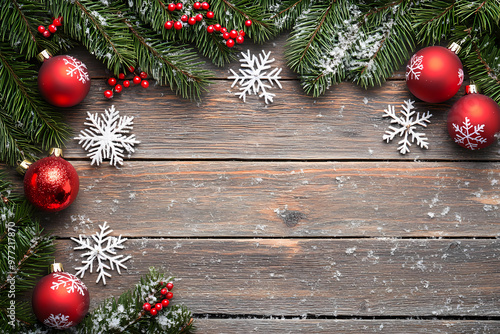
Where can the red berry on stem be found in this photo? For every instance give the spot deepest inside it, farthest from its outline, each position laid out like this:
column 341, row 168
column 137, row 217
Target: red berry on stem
column 57, row 22
column 210, row 15
column 225, row 35
column 197, row 5
column 170, row 286
column 121, row 76
column 242, row 33
column 108, row 94
column 52, row 28
column 178, row 25
column 248, row 23
column 137, row 79
column 164, row 291
column 217, row 27
column 192, row 21
column 165, row 302
column 118, row 88
column 210, row 29
column 112, row 81
column 169, row 295
column 131, row 69
column 199, row 17
column 41, row 29
column 46, row 34
column 240, row 39
column 153, row 311
column 230, row 43
column 143, row 75
column 178, row 6
column 145, row 83
column 158, row 306
column 184, row 18
column 223, row 29
column 146, row 306
column 205, row 5
column 126, row 83
column 233, row 33
column 171, row 7
column 60, row 18
column 168, row 25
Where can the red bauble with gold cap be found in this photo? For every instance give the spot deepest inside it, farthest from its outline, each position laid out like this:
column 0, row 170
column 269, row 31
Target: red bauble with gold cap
column 60, row 300
column 435, row 74
column 63, row 81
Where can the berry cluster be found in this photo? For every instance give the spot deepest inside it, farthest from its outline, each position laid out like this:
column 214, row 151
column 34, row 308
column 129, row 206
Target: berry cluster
column 117, row 88
column 164, row 302
column 229, row 36
column 46, row 32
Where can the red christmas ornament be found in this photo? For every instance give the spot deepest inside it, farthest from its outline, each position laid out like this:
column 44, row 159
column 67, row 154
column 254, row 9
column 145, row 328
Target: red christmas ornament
column 435, row 74
column 60, row 300
column 51, row 183
column 63, row 80
column 473, row 120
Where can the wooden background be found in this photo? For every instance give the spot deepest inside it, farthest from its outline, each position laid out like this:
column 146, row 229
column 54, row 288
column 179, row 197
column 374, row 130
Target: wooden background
column 293, row 216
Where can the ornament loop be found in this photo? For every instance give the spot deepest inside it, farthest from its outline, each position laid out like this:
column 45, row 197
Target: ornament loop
column 454, row 47
column 44, row 55
column 23, row 166
column 56, row 152
column 471, row 89
column 56, row 267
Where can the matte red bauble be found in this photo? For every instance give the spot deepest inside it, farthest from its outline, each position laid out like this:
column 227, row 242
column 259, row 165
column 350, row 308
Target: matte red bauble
column 435, row 74
column 51, row 183
column 473, row 121
column 63, row 81
column 60, row 300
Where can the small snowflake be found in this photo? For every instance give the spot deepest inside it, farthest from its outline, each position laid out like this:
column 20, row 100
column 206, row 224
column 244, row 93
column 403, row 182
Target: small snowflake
column 105, row 138
column 464, row 135
column 59, row 321
column 68, row 281
column 76, row 67
column 460, row 77
column 252, row 80
column 408, row 126
column 414, row 65
column 103, row 250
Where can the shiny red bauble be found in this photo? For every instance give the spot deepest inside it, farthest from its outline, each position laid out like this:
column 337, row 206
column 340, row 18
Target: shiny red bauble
column 51, row 184
column 60, row 300
column 63, row 81
column 434, row 74
column 473, row 121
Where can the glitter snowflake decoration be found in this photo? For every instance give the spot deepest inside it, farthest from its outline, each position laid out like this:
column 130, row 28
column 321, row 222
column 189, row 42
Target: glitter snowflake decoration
column 253, row 79
column 106, row 139
column 460, row 77
column 58, row 321
column 468, row 134
column 407, row 126
column 68, row 281
column 77, row 68
column 103, row 250
column 415, row 67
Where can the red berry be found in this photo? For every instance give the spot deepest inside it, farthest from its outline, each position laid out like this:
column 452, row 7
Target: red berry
column 146, row 306
column 199, row 17
column 242, row 33
column 118, row 88
column 178, row 6
column 46, row 34
column 153, row 311
column 137, row 80
column 121, row 76
column 205, row 5
column 210, row 29
column 169, row 295
column 192, row 20
column 126, row 83
column 164, row 291
column 233, row 33
column 225, row 35
column 170, row 286
column 217, row 27
column 108, row 94
column 143, row 75
column 197, row 5
column 41, row 29
column 60, row 18
column 168, row 25
column 171, row 7
column 240, row 39
column 112, row 81
column 165, row 302
column 57, row 22
column 223, row 29
column 178, row 25
column 230, row 43
column 210, row 15
column 52, row 28
column 131, row 69
column 145, row 84
column 184, row 18
column 248, row 23
column 158, row 306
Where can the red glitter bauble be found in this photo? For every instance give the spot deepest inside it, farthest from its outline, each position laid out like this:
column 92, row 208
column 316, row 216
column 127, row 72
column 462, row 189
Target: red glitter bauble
column 51, row 184
column 434, row 74
column 473, row 121
column 63, row 81
column 60, row 300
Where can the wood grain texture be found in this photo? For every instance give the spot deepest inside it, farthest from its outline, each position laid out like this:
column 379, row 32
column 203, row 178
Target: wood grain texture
column 325, row 277
column 286, row 199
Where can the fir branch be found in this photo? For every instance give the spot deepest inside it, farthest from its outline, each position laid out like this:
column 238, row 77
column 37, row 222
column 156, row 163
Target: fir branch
column 286, row 13
column 14, row 144
column 434, row 20
column 484, row 16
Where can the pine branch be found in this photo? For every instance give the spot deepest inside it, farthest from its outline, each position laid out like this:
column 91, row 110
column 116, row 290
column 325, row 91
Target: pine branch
column 286, row 13
column 14, row 144
column 434, row 20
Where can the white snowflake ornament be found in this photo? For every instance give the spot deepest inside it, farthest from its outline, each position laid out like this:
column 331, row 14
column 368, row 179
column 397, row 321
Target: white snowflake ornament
column 58, row 321
column 252, row 80
column 103, row 251
column 407, row 127
column 76, row 68
column 106, row 138
column 469, row 135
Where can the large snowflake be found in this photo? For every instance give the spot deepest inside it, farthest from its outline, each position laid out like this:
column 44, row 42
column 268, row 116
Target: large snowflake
column 468, row 134
column 407, row 126
column 58, row 321
column 77, row 68
column 415, row 67
column 103, row 250
column 106, row 139
column 253, row 79
column 68, row 281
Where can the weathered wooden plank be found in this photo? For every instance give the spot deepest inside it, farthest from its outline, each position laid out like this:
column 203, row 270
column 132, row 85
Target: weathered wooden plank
column 283, row 326
column 276, row 199
column 325, row 277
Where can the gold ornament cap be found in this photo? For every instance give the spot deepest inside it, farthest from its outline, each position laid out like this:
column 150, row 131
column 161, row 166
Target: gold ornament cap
column 455, row 48
column 56, row 267
column 23, row 166
column 56, row 152
column 44, row 55
column 471, row 89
